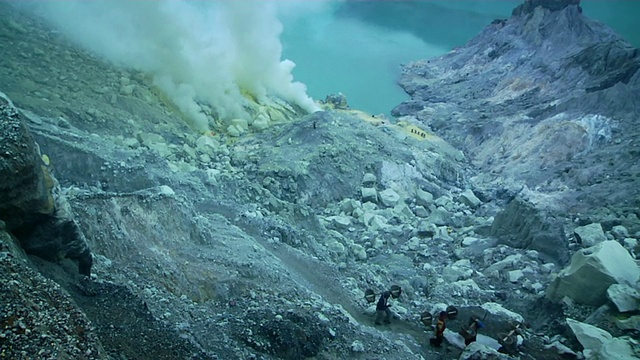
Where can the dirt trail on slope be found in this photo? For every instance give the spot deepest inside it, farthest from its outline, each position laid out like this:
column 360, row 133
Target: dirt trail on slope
column 323, row 280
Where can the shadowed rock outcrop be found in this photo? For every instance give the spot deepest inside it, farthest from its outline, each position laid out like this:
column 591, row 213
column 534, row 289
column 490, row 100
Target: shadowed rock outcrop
column 25, row 189
column 31, row 203
column 523, row 226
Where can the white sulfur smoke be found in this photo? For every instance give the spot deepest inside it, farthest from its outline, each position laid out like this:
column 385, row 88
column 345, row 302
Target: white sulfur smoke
column 211, row 52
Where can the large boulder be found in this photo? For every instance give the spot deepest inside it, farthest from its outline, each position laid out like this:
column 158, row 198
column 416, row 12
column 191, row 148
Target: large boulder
column 630, row 323
column 424, row 198
column 389, row 197
column 619, row 349
column 470, row 199
column 590, row 235
column 369, row 194
column 589, row 336
column 592, row 271
column 523, row 225
column 426, row 228
column 624, row 297
column 620, row 232
column 439, row 217
column 369, row 180
column 599, row 344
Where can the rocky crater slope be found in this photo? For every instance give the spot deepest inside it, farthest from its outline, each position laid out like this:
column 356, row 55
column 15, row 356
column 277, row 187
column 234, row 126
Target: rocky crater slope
column 125, row 234
column 545, row 102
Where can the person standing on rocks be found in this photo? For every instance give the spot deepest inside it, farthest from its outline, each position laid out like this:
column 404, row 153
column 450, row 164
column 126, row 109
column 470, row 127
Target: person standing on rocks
column 441, row 325
column 470, row 333
column 382, row 309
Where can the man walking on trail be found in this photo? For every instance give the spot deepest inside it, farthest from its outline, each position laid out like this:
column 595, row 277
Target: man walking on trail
column 382, row 309
column 441, row 325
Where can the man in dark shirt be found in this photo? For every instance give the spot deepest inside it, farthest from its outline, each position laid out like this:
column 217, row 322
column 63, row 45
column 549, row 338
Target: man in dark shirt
column 470, row 334
column 382, row 309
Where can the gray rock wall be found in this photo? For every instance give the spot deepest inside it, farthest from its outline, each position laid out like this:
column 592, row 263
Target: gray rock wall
column 564, row 114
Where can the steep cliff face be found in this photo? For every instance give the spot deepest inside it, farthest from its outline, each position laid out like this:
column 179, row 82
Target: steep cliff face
column 547, row 99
